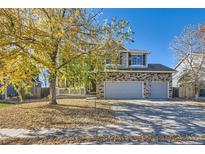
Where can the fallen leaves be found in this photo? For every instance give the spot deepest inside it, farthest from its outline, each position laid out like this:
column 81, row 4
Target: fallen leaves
column 69, row 113
column 119, row 139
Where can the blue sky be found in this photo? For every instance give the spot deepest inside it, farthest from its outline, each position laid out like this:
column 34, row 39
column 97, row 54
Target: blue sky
column 155, row 28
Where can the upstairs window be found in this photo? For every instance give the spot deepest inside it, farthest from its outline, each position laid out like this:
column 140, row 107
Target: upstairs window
column 137, row 59
column 120, row 58
column 115, row 60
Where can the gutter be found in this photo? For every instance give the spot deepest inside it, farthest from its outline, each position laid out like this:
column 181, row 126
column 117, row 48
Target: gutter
column 143, row 71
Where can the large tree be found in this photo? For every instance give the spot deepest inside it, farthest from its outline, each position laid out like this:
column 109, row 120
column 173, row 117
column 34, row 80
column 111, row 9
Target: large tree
column 63, row 41
column 189, row 48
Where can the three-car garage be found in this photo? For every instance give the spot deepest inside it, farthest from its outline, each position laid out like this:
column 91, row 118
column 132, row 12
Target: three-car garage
column 135, row 89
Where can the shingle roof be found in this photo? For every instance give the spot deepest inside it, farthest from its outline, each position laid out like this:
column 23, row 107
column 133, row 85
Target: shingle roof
column 151, row 68
column 159, row 67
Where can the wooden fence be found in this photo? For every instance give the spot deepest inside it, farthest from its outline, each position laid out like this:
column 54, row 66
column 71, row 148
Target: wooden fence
column 186, row 92
column 71, row 91
column 36, row 93
column 183, row 92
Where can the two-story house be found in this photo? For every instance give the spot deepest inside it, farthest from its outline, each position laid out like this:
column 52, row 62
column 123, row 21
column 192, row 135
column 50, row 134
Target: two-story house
column 134, row 77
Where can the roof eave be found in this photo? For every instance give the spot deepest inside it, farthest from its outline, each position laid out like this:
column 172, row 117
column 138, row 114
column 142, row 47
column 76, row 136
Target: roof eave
column 146, row 71
column 135, row 51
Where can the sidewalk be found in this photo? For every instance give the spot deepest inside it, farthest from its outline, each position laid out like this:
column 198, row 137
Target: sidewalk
column 90, row 132
column 25, row 133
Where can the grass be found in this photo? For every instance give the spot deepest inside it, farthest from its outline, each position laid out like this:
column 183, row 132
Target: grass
column 150, row 139
column 3, row 105
column 69, row 113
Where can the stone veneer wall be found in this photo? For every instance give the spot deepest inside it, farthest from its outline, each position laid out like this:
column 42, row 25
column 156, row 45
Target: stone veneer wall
column 147, row 77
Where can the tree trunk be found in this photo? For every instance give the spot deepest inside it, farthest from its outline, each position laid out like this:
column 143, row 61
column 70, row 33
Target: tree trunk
column 197, row 89
column 52, row 86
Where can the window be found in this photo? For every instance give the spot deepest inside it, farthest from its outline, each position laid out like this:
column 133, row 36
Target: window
column 120, row 58
column 107, row 60
column 115, row 60
column 137, row 59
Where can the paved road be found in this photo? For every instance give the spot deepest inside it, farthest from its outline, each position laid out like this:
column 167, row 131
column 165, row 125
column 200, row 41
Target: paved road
column 137, row 117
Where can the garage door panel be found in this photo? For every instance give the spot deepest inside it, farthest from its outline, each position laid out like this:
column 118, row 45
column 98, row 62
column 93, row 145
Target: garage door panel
column 159, row 89
column 123, row 89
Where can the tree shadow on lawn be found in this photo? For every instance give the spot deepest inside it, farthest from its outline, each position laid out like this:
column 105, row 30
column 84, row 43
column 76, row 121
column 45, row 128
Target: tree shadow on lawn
column 136, row 119
column 80, row 116
column 148, row 119
column 152, row 119
column 56, row 116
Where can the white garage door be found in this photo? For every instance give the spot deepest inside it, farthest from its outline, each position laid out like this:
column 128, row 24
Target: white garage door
column 159, row 89
column 127, row 89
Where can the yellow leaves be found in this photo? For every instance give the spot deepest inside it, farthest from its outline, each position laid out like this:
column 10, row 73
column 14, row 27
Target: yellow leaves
column 19, row 70
column 31, row 39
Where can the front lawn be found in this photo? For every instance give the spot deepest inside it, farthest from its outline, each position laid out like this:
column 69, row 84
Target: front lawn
column 69, row 113
column 3, row 105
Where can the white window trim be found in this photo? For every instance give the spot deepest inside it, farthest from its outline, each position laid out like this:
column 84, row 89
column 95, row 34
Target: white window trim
column 137, row 64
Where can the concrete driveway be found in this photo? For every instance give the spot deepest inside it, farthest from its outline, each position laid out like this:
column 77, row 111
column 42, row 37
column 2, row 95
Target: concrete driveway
column 158, row 117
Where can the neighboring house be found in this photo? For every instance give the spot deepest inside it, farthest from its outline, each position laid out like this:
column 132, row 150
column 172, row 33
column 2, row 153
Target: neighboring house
column 134, row 77
column 185, row 90
column 11, row 92
column 35, row 91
